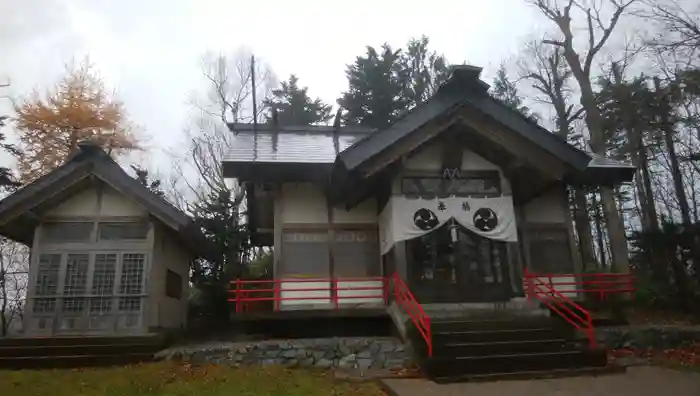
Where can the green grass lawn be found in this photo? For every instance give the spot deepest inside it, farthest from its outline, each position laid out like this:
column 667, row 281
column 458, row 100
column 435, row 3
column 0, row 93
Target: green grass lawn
column 176, row 379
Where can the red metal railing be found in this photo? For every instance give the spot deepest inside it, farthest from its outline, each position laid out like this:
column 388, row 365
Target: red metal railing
column 601, row 284
column 567, row 309
column 406, row 300
column 243, row 292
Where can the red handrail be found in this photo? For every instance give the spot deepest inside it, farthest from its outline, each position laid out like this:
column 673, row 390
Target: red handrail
column 241, row 296
column 573, row 313
column 603, row 284
column 406, row 300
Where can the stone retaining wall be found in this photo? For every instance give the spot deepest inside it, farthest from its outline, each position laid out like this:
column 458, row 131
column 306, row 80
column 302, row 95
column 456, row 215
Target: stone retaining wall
column 655, row 337
column 344, row 353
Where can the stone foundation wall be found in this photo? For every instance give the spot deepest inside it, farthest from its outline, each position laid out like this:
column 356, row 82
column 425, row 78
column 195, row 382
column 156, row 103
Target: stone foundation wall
column 655, row 337
column 344, row 353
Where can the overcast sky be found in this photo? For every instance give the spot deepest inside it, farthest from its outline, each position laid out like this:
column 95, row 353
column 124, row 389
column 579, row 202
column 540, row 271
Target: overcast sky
column 150, row 50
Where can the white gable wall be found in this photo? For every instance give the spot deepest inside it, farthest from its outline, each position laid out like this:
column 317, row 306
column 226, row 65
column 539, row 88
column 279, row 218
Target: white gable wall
column 305, row 203
column 87, row 204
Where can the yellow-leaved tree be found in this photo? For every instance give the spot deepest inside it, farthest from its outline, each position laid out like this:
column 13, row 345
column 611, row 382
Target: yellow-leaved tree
column 79, row 108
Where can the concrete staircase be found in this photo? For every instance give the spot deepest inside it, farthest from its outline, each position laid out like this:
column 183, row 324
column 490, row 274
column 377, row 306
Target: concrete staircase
column 474, row 342
column 71, row 352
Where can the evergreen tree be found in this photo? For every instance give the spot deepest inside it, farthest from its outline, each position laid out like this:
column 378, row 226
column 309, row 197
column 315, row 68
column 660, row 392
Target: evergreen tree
column 7, row 180
column 427, row 70
column 505, row 91
column 218, row 215
column 378, row 88
column 295, row 107
column 383, row 84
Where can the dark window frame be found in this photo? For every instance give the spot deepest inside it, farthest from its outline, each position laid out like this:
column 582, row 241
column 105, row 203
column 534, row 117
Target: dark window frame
column 65, row 236
column 141, row 227
column 173, row 284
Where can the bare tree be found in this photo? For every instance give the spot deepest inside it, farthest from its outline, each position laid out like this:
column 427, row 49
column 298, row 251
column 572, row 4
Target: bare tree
column 679, row 26
column 546, row 69
column 226, row 97
column 598, row 32
column 14, row 267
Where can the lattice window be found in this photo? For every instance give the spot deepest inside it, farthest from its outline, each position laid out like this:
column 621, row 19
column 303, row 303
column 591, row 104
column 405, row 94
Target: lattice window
column 44, row 305
column 123, row 230
column 484, row 258
column 75, row 281
column 131, row 281
column 498, row 254
column 100, row 305
column 130, row 303
column 73, row 305
column 66, row 231
column 47, row 276
column 103, row 274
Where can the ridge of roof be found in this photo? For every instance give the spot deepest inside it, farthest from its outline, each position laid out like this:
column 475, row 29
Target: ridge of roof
column 310, row 129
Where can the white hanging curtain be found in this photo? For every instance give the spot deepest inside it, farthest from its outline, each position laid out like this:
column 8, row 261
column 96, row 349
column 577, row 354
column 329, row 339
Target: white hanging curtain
column 407, row 218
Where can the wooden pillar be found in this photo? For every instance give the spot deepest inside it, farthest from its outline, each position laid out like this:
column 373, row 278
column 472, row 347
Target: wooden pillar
column 277, row 224
column 331, row 250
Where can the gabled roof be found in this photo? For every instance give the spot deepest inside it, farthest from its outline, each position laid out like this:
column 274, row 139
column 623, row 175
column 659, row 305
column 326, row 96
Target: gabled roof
column 463, row 88
column 87, row 162
column 267, row 151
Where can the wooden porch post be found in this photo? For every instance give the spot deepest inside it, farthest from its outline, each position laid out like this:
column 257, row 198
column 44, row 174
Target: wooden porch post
column 331, row 255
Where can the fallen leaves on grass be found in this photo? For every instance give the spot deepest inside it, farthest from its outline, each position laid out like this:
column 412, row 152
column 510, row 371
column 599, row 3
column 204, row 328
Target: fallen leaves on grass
column 172, row 379
column 409, row 372
column 639, row 316
column 686, row 356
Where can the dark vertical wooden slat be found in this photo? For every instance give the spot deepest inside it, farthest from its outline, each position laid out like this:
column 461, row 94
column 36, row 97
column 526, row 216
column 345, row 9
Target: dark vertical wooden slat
column 331, row 245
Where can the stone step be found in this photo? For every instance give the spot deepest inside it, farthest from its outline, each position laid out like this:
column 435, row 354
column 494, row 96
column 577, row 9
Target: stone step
column 456, row 349
column 543, row 333
column 443, row 325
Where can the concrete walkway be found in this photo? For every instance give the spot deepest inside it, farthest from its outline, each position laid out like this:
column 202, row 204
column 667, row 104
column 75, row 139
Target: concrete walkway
column 637, row 381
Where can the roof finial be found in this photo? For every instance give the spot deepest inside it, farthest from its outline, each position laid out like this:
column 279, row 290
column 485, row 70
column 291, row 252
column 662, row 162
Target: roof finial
column 338, row 116
column 336, row 130
column 275, row 127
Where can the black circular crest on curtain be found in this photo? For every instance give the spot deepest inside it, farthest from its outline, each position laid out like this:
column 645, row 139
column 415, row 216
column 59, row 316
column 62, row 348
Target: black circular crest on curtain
column 425, row 219
column 485, row 219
